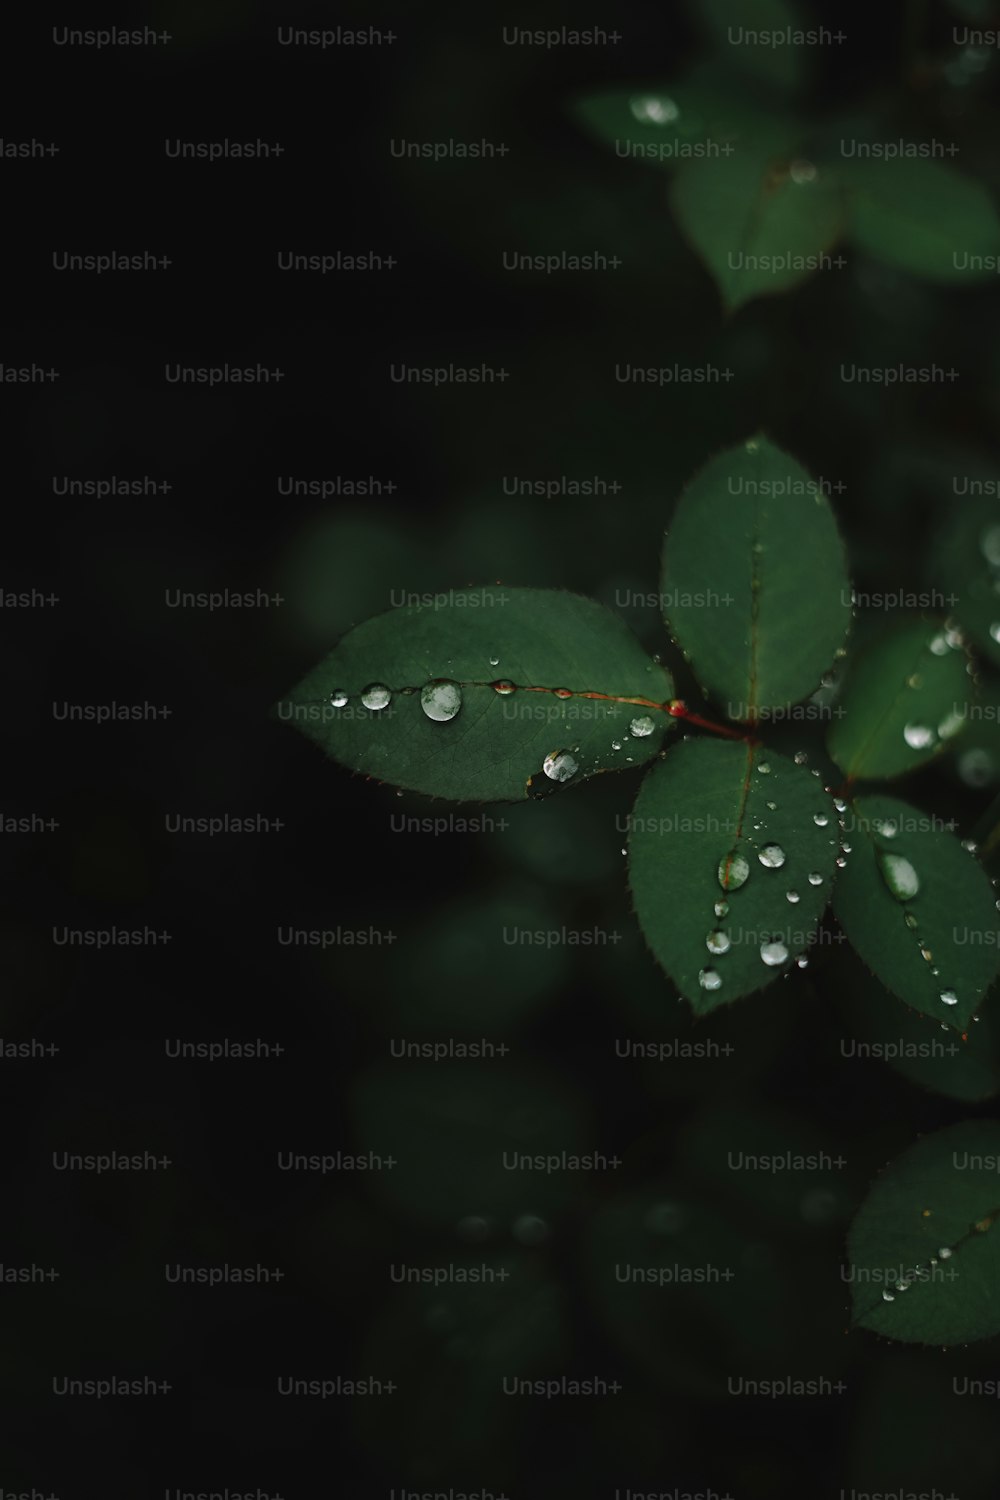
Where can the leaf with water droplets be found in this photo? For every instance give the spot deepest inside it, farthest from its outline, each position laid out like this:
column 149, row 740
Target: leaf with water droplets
column 761, row 224
column 904, row 701
column 923, row 217
column 916, row 893
column 754, row 583
column 929, row 1218
column 412, row 696
column 701, row 829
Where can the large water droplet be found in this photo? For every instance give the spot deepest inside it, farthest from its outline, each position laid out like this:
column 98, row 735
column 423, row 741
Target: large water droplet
column 441, row 701
column 793, row 897
column 641, row 727
column 709, row 979
column 503, row 687
column 814, row 877
column 376, row 695
column 733, row 872
column 918, row 736
column 559, row 766
column 772, row 856
column 899, row 875
column 338, row 698
column 718, row 942
column 773, row 953
column 820, row 819
column 949, row 997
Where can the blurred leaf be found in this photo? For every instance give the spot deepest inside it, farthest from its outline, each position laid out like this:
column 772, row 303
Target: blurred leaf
column 965, row 563
column 904, row 701
column 761, row 226
column 928, row 1225
column 922, row 217
column 919, row 909
column 703, row 834
column 754, row 582
column 492, row 745
column 682, row 121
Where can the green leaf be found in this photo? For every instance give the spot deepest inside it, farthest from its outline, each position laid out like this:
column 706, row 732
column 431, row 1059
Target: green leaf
column 904, row 701
column 965, row 563
column 494, row 747
column 760, row 225
column 693, row 118
column 754, row 581
column 702, row 833
column 923, row 217
column 941, row 1195
column 965, row 1067
column 758, row 39
column 916, row 890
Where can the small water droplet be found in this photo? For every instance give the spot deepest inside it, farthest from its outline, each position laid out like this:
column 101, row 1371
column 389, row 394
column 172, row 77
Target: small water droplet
column 709, row 979
column 563, row 692
column 902, row 1286
column 820, row 819
column 802, row 962
column 793, row 897
column 918, row 736
column 846, row 848
column 910, row 920
column 764, row 768
column 886, row 828
column 899, row 875
column 948, row 997
column 814, row 878
column 773, row 953
column 494, row 661
column 944, row 1253
column 376, row 696
column 887, row 1296
column 718, row 942
column 641, row 727
column 840, row 861
column 733, row 872
column 969, row 845
column 722, row 908
column 441, row 701
column 559, row 766
column 503, row 687
column 772, row 807
column 840, row 804
column 939, row 645
column 338, row 698
column 654, row 109
column 772, row 856
column 802, row 172
column 915, row 680
column 801, row 758
column 925, row 953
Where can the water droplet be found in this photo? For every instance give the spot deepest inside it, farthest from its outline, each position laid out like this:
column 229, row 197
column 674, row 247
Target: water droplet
column 641, row 727
column 910, row 920
column 376, row 695
column 899, row 875
column 773, row 953
column 840, row 804
column 925, row 953
column 503, row 687
column 969, row 845
column 939, row 645
column 802, row 962
column 722, row 908
column 801, row 758
column 944, row 1253
column 990, row 544
column 733, row 872
column 820, row 819
column 494, row 661
column 951, row 725
column 814, row 878
column 338, row 698
column 772, row 807
column 616, row 744
column 718, row 942
column 563, row 692
column 919, row 736
column 793, row 897
column 902, row 1286
column 887, row 1296
column 559, row 766
column 654, row 110
column 887, row 829
column 915, row 680
column 846, row 848
column 764, row 768
column 840, row 861
column 772, row 856
column 976, row 767
column 709, row 979
column 948, row 997
column 802, row 172
column 441, row 701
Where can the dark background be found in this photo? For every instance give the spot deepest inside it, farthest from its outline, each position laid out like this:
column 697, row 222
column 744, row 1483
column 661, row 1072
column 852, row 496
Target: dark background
column 340, row 859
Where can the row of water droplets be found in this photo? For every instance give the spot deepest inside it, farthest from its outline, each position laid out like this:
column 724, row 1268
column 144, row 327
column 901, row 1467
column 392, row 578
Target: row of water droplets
column 734, row 871
column 441, row 700
column 909, row 1277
